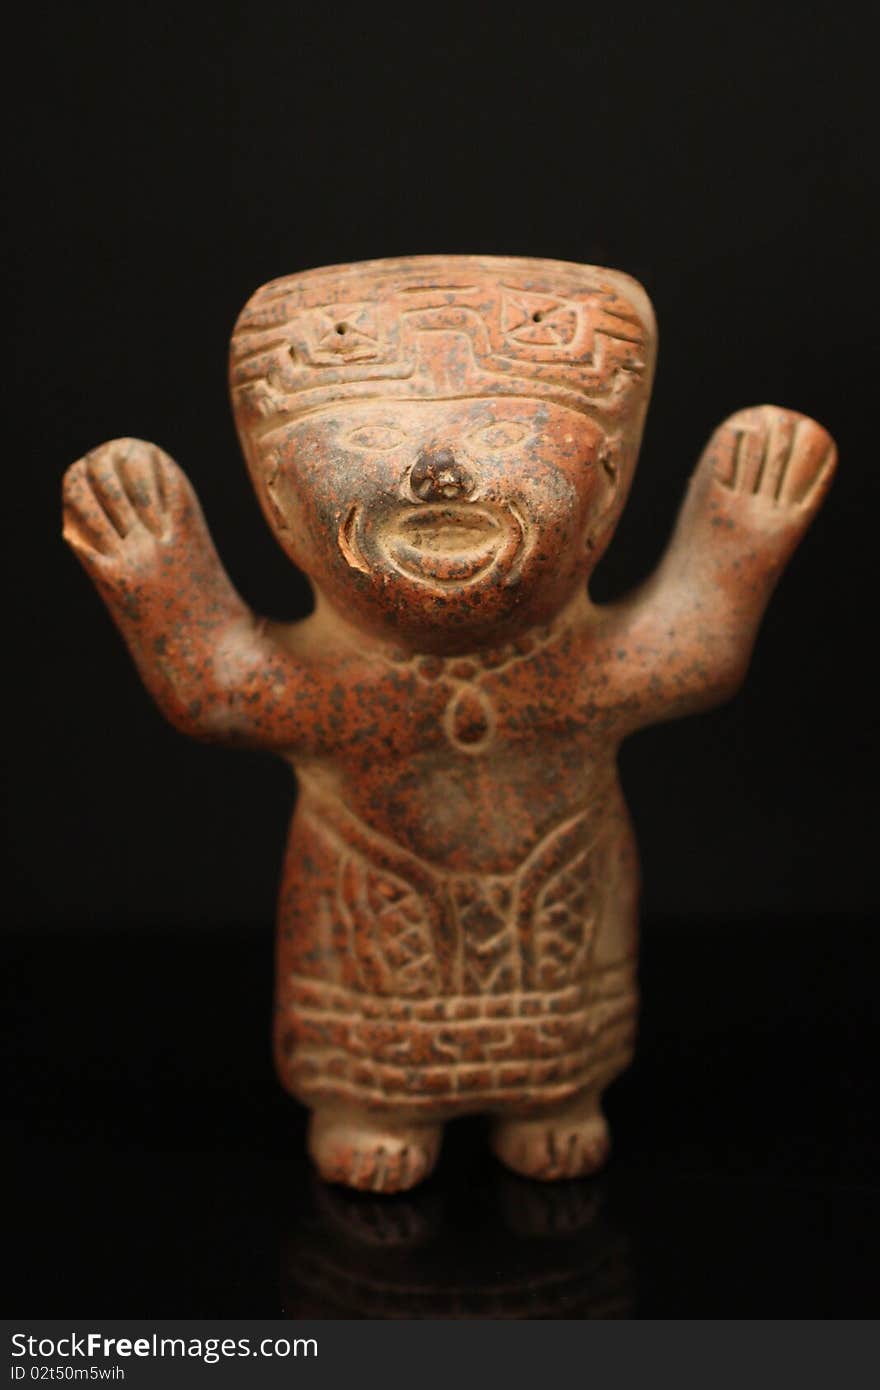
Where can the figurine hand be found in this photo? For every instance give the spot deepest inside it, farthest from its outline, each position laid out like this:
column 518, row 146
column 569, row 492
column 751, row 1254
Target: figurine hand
column 758, row 484
column 135, row 523
column 780, row 458
column 123, row 503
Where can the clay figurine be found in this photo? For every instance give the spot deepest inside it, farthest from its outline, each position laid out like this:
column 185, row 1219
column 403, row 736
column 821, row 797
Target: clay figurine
column 444, row 445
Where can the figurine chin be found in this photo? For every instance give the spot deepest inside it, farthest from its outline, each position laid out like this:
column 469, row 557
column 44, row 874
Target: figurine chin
column 442, row 545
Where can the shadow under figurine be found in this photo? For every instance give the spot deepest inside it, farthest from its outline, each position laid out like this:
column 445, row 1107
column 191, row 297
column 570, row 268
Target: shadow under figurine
column 444, row 445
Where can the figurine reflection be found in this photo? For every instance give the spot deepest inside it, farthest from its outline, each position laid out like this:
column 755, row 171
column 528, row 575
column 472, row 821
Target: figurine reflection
column 522, row 1250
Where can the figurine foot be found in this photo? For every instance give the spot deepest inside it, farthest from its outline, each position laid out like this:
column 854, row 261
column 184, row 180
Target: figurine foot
column 568, row 1143
column 359, row 1150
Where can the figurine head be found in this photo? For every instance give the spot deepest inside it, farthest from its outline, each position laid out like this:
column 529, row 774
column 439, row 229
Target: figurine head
column 444, row 444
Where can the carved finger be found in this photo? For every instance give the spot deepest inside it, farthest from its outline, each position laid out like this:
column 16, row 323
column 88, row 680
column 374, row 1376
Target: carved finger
column 778, row 445
column 734, row 450
column 102, row 467
column 751, row 452
column 811, row 466
column 87, row 526
column 141, row 477
column 722, row 454
column 178, row 501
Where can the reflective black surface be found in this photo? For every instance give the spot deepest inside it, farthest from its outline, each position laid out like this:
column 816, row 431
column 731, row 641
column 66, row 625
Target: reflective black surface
column 157, row 1171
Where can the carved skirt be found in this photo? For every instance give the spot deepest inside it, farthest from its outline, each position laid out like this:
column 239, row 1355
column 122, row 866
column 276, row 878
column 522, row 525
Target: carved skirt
column 402, row 985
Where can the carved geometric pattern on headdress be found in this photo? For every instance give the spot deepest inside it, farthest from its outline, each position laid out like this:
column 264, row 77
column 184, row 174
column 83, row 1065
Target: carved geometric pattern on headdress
column 538, row 320
column 345, row 333
column 574, row 335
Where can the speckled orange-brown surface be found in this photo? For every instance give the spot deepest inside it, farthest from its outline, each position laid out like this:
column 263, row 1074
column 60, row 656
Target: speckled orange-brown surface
column 445, row 445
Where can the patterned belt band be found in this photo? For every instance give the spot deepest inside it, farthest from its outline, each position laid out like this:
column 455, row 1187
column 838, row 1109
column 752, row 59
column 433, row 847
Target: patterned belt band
column 472, row 1050
column 611, row 984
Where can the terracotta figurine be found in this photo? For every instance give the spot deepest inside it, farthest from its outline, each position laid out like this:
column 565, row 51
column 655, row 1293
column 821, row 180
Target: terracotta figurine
column 444, row 445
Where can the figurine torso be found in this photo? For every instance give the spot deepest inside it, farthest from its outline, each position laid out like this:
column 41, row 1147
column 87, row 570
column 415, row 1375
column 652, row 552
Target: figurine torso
column 452, row 864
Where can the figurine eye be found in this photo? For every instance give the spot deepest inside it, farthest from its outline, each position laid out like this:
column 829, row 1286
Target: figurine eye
column 379, row 439
column 503, row 434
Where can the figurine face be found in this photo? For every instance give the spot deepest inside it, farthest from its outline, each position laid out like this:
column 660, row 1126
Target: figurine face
column 439, row 521
column 444, row 443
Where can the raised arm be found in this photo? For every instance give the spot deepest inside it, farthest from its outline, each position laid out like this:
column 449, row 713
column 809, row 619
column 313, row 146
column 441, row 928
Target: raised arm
column 213, row 669
column 683, row 641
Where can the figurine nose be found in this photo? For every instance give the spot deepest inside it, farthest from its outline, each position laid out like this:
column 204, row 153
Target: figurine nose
column 437, row 476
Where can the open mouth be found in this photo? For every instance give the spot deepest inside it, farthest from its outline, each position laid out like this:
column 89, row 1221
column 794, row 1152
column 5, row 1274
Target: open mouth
column 447, row 543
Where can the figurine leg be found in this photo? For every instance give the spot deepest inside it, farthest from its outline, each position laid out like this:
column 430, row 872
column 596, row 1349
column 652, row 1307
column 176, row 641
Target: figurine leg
column 569, row 1142
column 363, row 1150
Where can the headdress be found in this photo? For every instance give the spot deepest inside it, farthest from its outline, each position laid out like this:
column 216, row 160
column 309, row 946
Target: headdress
column 444, row 327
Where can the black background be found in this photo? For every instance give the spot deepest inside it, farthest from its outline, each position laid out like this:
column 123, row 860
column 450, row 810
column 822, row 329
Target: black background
column 163, row 162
